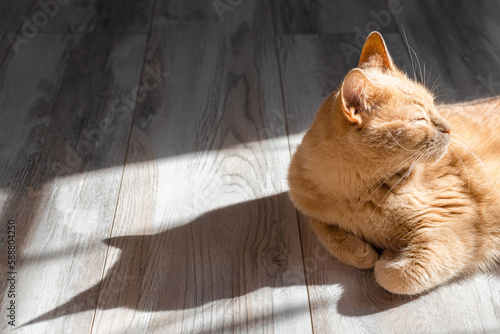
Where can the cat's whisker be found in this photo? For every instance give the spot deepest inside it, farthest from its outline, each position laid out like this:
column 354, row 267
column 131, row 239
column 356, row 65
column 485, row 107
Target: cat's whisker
column 437, row 97
column 471, row 152
column 454, row 134
column 429, row 77
column 378, row 170
column 437, row 86
column 419, row 68
column 414, row 163
column 437, row 94
column 404, row 177
column 443, row 90
column 439, row 76
column 435, row 153
column 409, row 52
column 418, row 63
column 421, row 161
column 378, row 180
column 398, row 168
column 447, row 113
column 465, row 168
column 423, row 81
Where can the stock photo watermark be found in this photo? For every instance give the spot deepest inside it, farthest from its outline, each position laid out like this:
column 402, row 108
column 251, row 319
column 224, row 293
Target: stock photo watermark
column 11, row 272
column 277, row 124
column 488, row 85
column 31, row 27
column 223, row 6
column 381, row 19
column 121, row 108
column 311, row 264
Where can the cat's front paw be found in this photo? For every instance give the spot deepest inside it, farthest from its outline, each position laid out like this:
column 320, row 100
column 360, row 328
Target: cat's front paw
column 359, row 253
column 398, row 276
column 345, row 246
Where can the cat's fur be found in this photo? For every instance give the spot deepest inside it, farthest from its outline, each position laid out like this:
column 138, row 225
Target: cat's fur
column 379, row 171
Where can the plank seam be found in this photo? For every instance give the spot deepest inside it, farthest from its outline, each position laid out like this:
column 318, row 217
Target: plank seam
column 153, row 11
column 273, row 18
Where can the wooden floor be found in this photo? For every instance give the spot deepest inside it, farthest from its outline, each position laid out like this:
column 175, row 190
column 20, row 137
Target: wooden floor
column 143, row 158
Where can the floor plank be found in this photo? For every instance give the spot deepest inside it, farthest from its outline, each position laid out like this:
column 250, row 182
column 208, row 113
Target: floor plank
column 205, row 239
column 60, row 171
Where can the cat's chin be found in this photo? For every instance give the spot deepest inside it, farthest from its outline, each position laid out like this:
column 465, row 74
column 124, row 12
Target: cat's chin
column 441, row 147
column 438, row 154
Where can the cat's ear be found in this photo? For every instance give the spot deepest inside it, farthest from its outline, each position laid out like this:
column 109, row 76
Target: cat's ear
column 375, row 53
column 356, row 95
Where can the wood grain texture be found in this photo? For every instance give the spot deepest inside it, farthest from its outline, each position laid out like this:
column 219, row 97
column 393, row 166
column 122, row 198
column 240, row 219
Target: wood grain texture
column 84, row 16
column 205, row 240
column 60, row 176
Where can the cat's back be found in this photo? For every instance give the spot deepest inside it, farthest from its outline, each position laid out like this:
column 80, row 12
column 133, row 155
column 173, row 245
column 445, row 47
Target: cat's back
column 481, row 115
column 475, row 135
column 476, row 140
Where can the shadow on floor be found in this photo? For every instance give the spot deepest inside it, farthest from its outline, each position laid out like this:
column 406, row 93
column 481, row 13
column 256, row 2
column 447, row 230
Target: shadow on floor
column 223, row 254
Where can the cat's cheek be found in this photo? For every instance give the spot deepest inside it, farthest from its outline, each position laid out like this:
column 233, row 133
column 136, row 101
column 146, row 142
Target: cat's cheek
column 418, row 135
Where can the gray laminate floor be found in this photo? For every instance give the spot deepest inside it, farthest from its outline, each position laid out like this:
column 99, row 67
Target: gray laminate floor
column 143, row 157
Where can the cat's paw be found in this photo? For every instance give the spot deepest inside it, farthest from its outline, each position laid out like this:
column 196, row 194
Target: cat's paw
column 345, row 246
column 359, row 253
column 398, row 276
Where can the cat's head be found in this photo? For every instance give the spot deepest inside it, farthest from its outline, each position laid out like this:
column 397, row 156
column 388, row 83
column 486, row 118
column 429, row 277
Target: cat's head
column 384, row 115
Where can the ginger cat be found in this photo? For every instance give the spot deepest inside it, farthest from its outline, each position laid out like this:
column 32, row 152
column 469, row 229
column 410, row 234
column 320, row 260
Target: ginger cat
column 381, row 170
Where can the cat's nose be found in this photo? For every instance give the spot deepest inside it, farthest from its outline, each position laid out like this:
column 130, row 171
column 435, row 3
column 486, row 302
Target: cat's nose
column 444, row 126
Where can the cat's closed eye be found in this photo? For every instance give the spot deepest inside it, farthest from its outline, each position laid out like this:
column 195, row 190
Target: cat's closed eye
column 419, row 120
